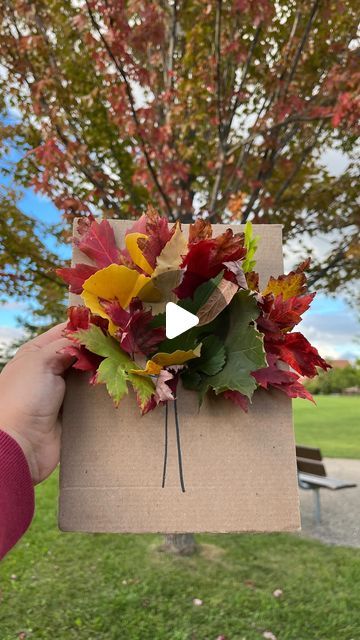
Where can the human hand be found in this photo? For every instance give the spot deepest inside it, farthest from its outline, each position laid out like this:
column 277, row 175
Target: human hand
column 32, row 390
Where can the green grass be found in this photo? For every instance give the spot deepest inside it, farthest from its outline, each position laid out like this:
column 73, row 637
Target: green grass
column 333, row 425
column 120, row 587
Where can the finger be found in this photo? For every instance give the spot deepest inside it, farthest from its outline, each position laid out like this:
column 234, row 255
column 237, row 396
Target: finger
column 44, row 339
column 55, row 357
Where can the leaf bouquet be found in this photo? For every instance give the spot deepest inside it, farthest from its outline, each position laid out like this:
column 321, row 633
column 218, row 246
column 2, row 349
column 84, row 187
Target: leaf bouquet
column 244, row 339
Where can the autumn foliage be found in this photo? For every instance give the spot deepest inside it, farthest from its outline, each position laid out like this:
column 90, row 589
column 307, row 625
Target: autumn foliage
column 220, row 108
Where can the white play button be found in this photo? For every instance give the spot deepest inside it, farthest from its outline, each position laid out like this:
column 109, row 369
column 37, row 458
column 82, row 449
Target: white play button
column 178, row 320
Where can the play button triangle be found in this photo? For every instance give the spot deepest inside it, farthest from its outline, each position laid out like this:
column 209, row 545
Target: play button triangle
column 178, row 320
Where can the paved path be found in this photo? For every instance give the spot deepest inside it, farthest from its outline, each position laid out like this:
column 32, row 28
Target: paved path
column 340, row 510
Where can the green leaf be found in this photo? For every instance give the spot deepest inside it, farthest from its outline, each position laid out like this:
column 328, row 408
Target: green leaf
column 201, row 295
column 244, row 350
column 213, row 357
column 113, row 374
column 97, row 342
column 114, row 370
column 191, row 338
column 191, row 380
column 251, row 244
column 143, row 387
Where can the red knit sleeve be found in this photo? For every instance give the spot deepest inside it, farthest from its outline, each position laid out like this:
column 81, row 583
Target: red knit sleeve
column 16, row 493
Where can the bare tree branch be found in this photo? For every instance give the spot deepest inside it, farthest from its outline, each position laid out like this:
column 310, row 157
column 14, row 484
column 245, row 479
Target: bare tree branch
column 242, row 80
column 130, row 96
column 301, row 45
column 314, row 277
column 221, row 142
column 218, row 78
column 286, row 184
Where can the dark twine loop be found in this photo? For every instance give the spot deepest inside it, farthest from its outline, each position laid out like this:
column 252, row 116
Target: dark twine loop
column 178, row 443
column 179, row 447
column 165, row 444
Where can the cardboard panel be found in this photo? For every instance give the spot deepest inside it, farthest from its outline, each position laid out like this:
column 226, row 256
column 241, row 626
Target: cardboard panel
column 239, row 469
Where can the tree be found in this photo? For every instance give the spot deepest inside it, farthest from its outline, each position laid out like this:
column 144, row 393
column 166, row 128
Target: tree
column 336, row 380
column 222, row 108
column 27, row 265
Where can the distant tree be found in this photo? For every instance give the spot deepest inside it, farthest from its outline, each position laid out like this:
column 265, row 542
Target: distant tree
column 27, row 266
column 335, row 380
column 223, row 108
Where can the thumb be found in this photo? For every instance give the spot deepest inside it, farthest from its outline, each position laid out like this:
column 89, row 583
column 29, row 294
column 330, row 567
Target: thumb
column 55, row 356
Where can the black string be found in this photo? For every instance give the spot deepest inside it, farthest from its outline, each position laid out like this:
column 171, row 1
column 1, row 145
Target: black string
column 179, row 447
column 165, row 445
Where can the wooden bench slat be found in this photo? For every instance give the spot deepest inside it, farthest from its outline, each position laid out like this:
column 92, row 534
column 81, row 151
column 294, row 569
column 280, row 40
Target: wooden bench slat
column 325, row 483
column 308, row 452
column 311, row 466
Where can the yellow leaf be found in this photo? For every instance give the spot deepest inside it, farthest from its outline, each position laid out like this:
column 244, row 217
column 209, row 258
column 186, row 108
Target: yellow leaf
column 177, row 357
column 135, row 253
column 293, row 284
column 115, row 282
column 160, row 360
column 171, row 256
column 151, row 369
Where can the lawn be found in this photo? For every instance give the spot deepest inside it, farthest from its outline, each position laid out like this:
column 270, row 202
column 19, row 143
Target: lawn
column 109, row 587
column 333, row 425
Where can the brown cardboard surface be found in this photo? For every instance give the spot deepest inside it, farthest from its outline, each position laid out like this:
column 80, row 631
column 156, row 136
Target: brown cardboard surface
column 239, row 469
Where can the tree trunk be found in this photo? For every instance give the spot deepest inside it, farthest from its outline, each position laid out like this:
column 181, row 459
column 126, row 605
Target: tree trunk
column 180, row 543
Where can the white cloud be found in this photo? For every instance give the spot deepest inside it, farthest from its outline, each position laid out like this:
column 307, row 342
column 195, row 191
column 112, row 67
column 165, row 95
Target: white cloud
column 13, row 305
column 9, row 335
column 333, row 331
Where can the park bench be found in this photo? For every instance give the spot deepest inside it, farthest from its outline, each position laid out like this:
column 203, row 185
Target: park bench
column 312, row 475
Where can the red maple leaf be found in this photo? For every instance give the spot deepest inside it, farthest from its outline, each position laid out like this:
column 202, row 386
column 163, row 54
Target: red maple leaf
column 200, row 230
column 287, row 313
column 134, row 331
column 76, row 276
column 296, row 350
column 237, row 398
column 280, row 379
column 84, row 360
column 80, row 318
column 98, row 243
column 205, row 259
column 158, row 232
column 284, row 315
